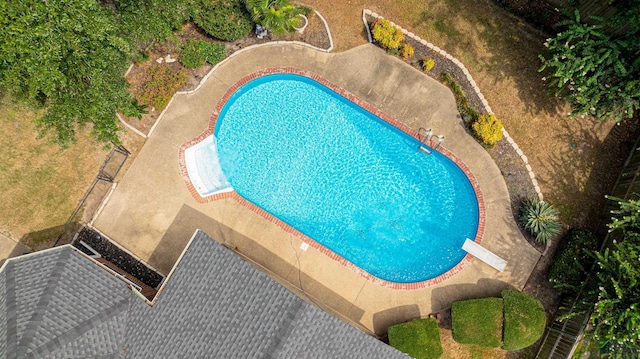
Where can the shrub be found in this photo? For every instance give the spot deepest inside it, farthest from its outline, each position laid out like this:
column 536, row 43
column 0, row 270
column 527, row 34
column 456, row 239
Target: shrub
column 407, row 51
column 469, row 114
column 418, row 338
column 387, row 35
column 571, row 261
column 488, row 129
column 195, row 53
column 140, row 56
column 226, row 20
column 478, row 322
column 163, row 82
column 277, row 16
column 541, row 219
column 524, row 320
column 191, row 56
column 213, row 52
column 428, row 64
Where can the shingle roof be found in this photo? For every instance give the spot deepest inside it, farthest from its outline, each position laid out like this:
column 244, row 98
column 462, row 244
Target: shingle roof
column 215, row 305
column 58, row 304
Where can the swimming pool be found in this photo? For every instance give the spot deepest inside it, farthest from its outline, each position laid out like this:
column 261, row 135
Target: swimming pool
column 345, row 178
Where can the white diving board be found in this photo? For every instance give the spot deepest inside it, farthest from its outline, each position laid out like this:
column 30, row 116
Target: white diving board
column 484, row 255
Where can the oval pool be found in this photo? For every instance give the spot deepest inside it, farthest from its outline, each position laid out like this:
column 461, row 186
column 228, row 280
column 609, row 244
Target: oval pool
column 345, row 178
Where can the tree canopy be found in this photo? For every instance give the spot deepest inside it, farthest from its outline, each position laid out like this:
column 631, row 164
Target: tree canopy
column 596, row 73
column 68, row 58
column 616, row 316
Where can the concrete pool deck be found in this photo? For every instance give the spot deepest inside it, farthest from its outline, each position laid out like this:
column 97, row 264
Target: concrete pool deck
column 152, row 214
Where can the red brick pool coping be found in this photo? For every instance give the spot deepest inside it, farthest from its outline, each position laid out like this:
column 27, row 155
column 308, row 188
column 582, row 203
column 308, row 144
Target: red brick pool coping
column 268, row 216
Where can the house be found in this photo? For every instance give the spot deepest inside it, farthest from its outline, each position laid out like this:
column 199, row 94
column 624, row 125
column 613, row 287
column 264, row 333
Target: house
column 58, row 303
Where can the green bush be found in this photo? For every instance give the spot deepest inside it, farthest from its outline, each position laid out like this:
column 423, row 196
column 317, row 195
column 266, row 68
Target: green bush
column 162, row 83
column 524, row 320
column 226, row 20
column 572, row 261
column 541, row 219
column 387, row 35
column 428, row 64
column 191, row 57
column 195, row 53
column 469, row 114
column 488, row 129
column 213, row 52
column 478, row 322
column 140, row 56
column 418, row 338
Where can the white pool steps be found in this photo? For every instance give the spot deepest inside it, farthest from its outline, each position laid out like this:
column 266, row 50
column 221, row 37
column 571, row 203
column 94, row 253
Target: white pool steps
column 484, row 255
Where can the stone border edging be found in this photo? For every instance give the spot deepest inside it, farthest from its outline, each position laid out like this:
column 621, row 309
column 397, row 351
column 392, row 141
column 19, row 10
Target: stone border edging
column 473, row 84
column 215, row 67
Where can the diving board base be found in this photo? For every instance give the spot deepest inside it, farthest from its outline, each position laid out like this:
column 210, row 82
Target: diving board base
column 484, row 255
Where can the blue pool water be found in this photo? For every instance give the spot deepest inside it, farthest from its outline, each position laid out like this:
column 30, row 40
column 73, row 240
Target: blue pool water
column 345, row 178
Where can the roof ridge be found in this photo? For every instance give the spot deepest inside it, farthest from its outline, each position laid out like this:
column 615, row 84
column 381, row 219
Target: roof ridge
column 41, row 308
column 81, row 328
column 282, row 335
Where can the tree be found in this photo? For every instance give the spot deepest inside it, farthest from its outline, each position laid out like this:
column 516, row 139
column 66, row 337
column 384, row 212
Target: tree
column 146, row 21
column 67, row 58
column 595, row 73
column 616, row 316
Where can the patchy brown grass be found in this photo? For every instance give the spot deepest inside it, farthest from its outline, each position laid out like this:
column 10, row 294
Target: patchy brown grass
column 455, row 350
column 40, row 183
column 501, row 52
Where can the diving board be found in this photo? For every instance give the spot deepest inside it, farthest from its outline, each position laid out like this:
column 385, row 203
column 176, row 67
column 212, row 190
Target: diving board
column 484, row 255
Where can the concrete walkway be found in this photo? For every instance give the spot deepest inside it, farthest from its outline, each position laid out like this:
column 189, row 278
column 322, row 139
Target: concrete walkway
column 152, row 214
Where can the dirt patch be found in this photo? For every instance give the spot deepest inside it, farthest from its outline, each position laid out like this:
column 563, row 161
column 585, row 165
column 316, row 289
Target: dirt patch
column 315, row 34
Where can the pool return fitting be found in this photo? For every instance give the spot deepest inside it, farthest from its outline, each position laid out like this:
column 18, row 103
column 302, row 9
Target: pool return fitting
column 427, row 135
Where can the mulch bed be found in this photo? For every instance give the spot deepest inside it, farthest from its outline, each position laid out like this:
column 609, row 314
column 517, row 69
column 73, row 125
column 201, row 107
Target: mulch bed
column 315, row 34
column 117, row 256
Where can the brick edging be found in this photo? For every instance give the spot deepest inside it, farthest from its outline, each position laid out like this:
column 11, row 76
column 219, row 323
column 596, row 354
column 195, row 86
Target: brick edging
column 469, row 78
column 289, row 229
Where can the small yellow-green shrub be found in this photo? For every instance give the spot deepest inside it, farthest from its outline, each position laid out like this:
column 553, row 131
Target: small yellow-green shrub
column 406, row 51
column 428, row 64
column 488, row 129
column 387, row 35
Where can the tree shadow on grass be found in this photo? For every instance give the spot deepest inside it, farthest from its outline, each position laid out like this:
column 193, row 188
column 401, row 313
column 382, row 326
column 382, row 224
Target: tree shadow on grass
column 488, row 39
column 594, row 167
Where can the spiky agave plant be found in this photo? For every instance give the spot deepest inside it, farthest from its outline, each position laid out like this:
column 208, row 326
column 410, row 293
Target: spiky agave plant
column 541, row 219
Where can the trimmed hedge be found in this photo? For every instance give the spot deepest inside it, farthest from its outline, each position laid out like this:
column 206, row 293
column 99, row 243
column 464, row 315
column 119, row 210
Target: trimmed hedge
column 418, row 338
column 571, row 261
column 524, row 320
column 226, row 20
column 478, row 322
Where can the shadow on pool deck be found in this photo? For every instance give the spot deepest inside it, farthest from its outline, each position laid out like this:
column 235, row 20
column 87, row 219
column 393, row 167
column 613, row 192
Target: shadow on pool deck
column 152, row 214
column 189, row 219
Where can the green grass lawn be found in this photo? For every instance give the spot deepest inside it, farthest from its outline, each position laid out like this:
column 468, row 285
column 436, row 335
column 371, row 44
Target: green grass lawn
column 40, row 184
column 478, row 322
column 418, row 338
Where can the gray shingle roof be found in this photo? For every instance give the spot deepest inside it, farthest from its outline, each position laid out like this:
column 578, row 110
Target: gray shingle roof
column 58, row 304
